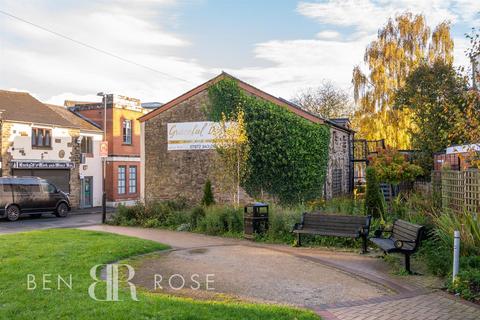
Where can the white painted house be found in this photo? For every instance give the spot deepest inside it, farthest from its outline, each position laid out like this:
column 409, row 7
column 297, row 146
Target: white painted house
column 51, row 142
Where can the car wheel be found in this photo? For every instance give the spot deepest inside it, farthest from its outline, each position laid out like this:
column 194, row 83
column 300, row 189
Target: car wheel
column 13, row 213
column 62, row 210
column 36, row 215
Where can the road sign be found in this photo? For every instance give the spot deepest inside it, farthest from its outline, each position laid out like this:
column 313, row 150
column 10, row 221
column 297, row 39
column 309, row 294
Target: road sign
column 104, row 149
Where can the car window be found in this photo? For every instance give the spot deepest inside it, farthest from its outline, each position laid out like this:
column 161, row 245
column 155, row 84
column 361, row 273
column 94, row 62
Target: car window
column 26, row 188
column 50, row 188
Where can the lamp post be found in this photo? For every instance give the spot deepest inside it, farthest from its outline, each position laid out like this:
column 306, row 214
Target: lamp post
column 104, row 159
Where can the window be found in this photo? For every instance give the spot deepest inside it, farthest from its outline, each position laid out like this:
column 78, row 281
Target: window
column 132, row 179
column 86, row 146
column 121, row 179
column 127, row 131
column 48, row 187
column 41, row 138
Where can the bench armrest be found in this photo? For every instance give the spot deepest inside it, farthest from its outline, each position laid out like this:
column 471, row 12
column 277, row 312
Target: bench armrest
column 399, row 243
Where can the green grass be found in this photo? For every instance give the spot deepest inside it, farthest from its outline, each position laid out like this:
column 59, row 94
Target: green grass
column 69, row 251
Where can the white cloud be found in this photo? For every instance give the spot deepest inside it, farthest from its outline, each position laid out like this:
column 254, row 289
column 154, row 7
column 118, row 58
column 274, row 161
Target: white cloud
column 328, row 34
column 332, row 55
column 37, row 61
column 369, row 15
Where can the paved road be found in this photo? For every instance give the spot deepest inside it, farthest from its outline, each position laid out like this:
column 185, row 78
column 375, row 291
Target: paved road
column 76, row 218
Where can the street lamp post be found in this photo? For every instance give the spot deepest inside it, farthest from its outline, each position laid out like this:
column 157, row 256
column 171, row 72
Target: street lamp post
column 104, row 159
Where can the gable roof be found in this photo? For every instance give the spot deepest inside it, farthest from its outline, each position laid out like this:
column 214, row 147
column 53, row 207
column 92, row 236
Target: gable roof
column 22, row 107
column 76, row 120
column 242, row 85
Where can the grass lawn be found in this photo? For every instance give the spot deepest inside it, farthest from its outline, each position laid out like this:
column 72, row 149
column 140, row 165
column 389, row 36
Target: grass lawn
column 69, row 251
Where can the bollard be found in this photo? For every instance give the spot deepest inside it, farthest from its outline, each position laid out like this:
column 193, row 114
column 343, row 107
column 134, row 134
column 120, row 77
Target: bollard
column 456, row 253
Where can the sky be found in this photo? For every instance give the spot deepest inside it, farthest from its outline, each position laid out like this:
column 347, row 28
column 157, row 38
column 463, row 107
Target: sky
column 280, row 46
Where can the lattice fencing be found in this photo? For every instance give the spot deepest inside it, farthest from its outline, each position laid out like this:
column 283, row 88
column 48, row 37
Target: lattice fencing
column 460, row 190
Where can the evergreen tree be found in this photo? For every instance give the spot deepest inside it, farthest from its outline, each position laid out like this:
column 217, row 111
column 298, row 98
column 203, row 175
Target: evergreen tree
column 208, row 198
column 374, row 202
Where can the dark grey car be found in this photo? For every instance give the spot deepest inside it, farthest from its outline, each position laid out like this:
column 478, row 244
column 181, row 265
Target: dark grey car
column 31, row 195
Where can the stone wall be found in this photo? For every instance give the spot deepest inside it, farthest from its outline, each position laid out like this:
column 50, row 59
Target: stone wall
column 75, row 185
column 338, row 164
column 170, row 174
column 6, row 129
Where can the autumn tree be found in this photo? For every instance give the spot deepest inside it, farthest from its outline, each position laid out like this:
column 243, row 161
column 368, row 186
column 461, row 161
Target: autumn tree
column 438, row 98
column 401, row 46
column 470, row 123
column 231, row 144
column 327, row 101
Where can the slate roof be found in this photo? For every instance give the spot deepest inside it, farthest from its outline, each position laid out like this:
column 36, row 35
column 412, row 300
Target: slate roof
column 75, row 119
column 22, row 107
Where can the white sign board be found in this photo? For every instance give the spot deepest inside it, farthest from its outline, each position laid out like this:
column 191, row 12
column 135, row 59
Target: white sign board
column 191, row 135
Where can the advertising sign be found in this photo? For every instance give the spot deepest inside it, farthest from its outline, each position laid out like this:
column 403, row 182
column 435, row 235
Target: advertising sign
column 104, row 149
column 191, row 135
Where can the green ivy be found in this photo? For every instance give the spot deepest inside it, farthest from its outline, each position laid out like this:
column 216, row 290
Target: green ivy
column 288, row 154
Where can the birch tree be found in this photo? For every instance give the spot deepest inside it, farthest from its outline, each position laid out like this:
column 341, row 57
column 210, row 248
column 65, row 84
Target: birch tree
column 231, row 144
column 401, row 46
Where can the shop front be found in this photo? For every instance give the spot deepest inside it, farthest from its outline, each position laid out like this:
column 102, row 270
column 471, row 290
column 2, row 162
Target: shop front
column 56, row 172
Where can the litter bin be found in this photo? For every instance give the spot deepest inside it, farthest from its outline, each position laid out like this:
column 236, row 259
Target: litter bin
column 255, row 219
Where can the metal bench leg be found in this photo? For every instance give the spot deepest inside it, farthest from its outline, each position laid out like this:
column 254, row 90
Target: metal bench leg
column 364, row 240
column 407, row 263
column 299, row 240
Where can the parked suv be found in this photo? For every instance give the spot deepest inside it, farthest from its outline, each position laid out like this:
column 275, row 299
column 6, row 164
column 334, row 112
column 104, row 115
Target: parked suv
column 31, row 195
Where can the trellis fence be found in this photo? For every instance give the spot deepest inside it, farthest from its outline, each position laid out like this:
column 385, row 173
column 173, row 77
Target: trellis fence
column 460, row 190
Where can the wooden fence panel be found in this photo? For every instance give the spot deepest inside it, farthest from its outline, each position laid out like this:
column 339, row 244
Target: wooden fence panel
column 472, row 191
column 460, row 190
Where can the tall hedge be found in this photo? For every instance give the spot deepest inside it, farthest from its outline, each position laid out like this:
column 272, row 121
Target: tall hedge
column 288, row 154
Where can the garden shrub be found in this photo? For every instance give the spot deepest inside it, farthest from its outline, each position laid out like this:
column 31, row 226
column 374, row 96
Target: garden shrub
column 374, row 202
column 467, row 284
column 436, row 256
column 343, row 206
column 288, row 154
column 466, row 223
column 393, row 167
column 208, row 198
column 221, row 220
column 198, row 213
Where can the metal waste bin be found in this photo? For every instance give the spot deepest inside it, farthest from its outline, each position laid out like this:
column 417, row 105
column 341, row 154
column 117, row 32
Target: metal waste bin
column 255, row 219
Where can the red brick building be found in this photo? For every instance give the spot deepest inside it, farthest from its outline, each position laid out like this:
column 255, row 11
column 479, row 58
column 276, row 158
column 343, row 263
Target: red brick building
column 123, row 136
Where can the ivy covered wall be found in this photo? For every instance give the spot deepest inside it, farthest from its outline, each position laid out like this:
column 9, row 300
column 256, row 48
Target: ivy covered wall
column 288, row 154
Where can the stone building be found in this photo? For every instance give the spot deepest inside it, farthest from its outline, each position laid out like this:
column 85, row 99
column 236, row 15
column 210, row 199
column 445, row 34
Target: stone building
column 339, row 179
column 43, row 141
column 177, row 154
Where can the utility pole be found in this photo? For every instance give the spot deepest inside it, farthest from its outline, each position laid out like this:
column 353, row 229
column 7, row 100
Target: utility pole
column 104, row 157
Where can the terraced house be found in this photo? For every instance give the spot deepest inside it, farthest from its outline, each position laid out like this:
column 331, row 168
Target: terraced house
column 123, row 135
column 50, row 142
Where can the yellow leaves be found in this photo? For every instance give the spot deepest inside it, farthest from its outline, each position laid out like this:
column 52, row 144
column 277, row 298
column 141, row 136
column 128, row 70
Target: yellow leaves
column 399, row 49
column 231, row 144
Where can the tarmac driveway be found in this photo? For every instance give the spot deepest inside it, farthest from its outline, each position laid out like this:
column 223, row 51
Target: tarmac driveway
column 76, row 218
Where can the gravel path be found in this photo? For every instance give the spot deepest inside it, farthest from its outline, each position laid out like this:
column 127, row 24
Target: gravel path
column 253, row 273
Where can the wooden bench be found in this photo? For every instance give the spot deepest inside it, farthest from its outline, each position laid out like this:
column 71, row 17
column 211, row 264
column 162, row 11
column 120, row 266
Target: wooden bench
column 333, row 225
column 404, row 238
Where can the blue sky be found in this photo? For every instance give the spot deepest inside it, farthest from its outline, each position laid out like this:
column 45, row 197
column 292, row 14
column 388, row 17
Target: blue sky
column 280, row 46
